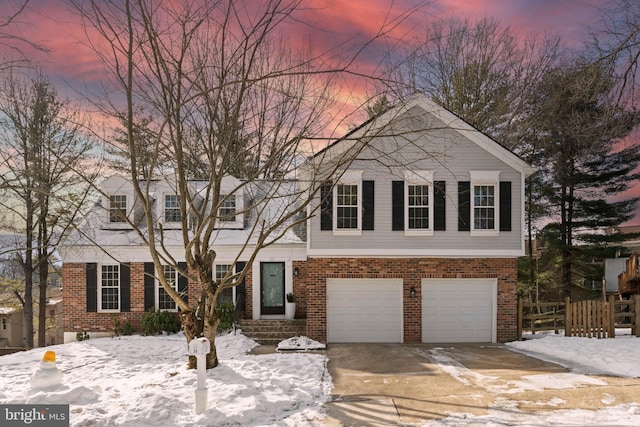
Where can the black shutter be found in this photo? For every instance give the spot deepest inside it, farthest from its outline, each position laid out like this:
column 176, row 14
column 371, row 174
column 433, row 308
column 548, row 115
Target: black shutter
column 326, row 206
column 397, row 206
column 125, row 287
column 183, row 282
column 91, row 273
column 241, row 296
column 505, row 205
column 439, row 206
column 368, row 205
column 149, row 286
column 464, row 206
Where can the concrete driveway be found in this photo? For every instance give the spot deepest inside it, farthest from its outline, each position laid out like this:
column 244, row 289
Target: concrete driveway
column 410, row 384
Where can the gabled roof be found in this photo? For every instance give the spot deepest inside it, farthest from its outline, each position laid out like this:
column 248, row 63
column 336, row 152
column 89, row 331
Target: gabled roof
column 375, row 126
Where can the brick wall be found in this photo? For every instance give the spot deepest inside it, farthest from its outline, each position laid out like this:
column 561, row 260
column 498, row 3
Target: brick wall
column 412, row 271
column 74, row 294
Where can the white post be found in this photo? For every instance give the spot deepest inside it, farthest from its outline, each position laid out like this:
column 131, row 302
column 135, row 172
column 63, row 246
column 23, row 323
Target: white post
column 200, row 347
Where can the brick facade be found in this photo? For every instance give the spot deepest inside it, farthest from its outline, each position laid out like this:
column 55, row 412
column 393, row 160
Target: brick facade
column 412, row 271
column 74, row 294
column 309, row 288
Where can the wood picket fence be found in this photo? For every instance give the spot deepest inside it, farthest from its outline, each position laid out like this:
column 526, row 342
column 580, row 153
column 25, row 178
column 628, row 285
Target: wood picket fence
column 588, row 318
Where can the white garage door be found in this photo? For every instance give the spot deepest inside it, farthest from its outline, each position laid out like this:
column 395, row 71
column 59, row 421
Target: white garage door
column 459, row 310
column 364, row 310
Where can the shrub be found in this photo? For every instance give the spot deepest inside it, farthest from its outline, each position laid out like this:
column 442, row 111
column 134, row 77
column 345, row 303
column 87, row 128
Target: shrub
column 156, row 322
column 121, row 328
column 225, row 311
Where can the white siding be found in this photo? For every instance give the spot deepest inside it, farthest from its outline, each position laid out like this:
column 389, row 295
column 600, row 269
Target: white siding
column 451, row 157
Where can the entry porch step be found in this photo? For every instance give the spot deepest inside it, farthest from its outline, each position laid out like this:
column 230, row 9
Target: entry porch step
column 271, row 332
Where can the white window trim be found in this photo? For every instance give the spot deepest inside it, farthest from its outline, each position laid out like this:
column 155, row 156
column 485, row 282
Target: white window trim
column 157, row 292
column 239, row 221
column 352, row 177
column 128, row 209
column 420, row 177
column 233, row 289
column 112, row 310
column 488, row 178
column 231, row 186
column 164, row 210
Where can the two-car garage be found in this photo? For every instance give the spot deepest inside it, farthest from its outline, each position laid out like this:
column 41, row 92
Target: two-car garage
column 371, row 310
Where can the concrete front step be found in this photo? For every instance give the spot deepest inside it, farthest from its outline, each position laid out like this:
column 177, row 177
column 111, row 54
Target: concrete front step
column 271, row 332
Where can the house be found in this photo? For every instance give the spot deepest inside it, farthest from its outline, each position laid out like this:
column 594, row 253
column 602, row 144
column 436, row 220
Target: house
column 11, row 328
column 108, row 274
column 415, row 240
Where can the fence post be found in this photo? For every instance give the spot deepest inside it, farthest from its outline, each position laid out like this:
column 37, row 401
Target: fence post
column 612, row 316
column 567, row 317
column 520, row 312
column 636, row 300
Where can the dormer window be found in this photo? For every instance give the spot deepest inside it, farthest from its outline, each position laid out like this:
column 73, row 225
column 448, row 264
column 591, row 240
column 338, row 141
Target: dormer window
column 117, row 208
column 230, row 206
column 172, row 208
column 227, row 209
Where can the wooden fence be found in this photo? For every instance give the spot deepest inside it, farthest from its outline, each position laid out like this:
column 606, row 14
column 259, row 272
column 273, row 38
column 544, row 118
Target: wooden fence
column 589, row 318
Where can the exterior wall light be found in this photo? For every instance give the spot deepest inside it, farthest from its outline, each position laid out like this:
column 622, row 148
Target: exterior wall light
column 412, row 292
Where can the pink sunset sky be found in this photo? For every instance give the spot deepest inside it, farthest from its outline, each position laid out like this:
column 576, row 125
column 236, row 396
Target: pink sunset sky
column 72, row 65
column 75, row 70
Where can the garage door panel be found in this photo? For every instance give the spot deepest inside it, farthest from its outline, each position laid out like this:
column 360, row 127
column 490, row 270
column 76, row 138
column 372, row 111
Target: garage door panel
column 364, row 310
column 458, row 310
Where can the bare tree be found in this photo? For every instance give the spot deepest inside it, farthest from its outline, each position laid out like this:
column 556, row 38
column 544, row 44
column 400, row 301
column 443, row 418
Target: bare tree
column 616, row 41
column 10, row 37
column 485, row 74
column 224, row 94
column 41, row 150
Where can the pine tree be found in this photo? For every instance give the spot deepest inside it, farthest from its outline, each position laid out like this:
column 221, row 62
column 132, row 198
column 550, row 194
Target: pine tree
column 589, row 164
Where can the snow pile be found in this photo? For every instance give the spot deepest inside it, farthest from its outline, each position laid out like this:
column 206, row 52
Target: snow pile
column 143, row 381
column 618, row 357
column 300, row 343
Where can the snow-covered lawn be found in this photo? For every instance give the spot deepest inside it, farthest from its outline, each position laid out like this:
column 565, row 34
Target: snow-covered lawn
column 142, row 381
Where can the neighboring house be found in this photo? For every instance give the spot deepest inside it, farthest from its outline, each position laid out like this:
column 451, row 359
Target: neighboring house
column 415, row 241
column 11, row 328
column 54, row 317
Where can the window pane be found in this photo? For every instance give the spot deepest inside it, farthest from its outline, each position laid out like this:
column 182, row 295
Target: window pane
column 172, row 208
column 165, row 302
column 117, row 208
column 227, row 294
column 484, row 207
column 418, row 213
column 227, row 211
column 110, row 287
column 347, row 206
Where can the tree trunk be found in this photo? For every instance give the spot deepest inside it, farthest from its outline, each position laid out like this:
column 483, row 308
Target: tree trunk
column 191, row 331
column 43, row 269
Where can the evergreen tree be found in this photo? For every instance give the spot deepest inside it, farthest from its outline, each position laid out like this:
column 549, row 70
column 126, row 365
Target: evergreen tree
column 589, row 164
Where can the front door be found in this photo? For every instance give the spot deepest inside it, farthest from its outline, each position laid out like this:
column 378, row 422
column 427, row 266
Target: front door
column 272, row 288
